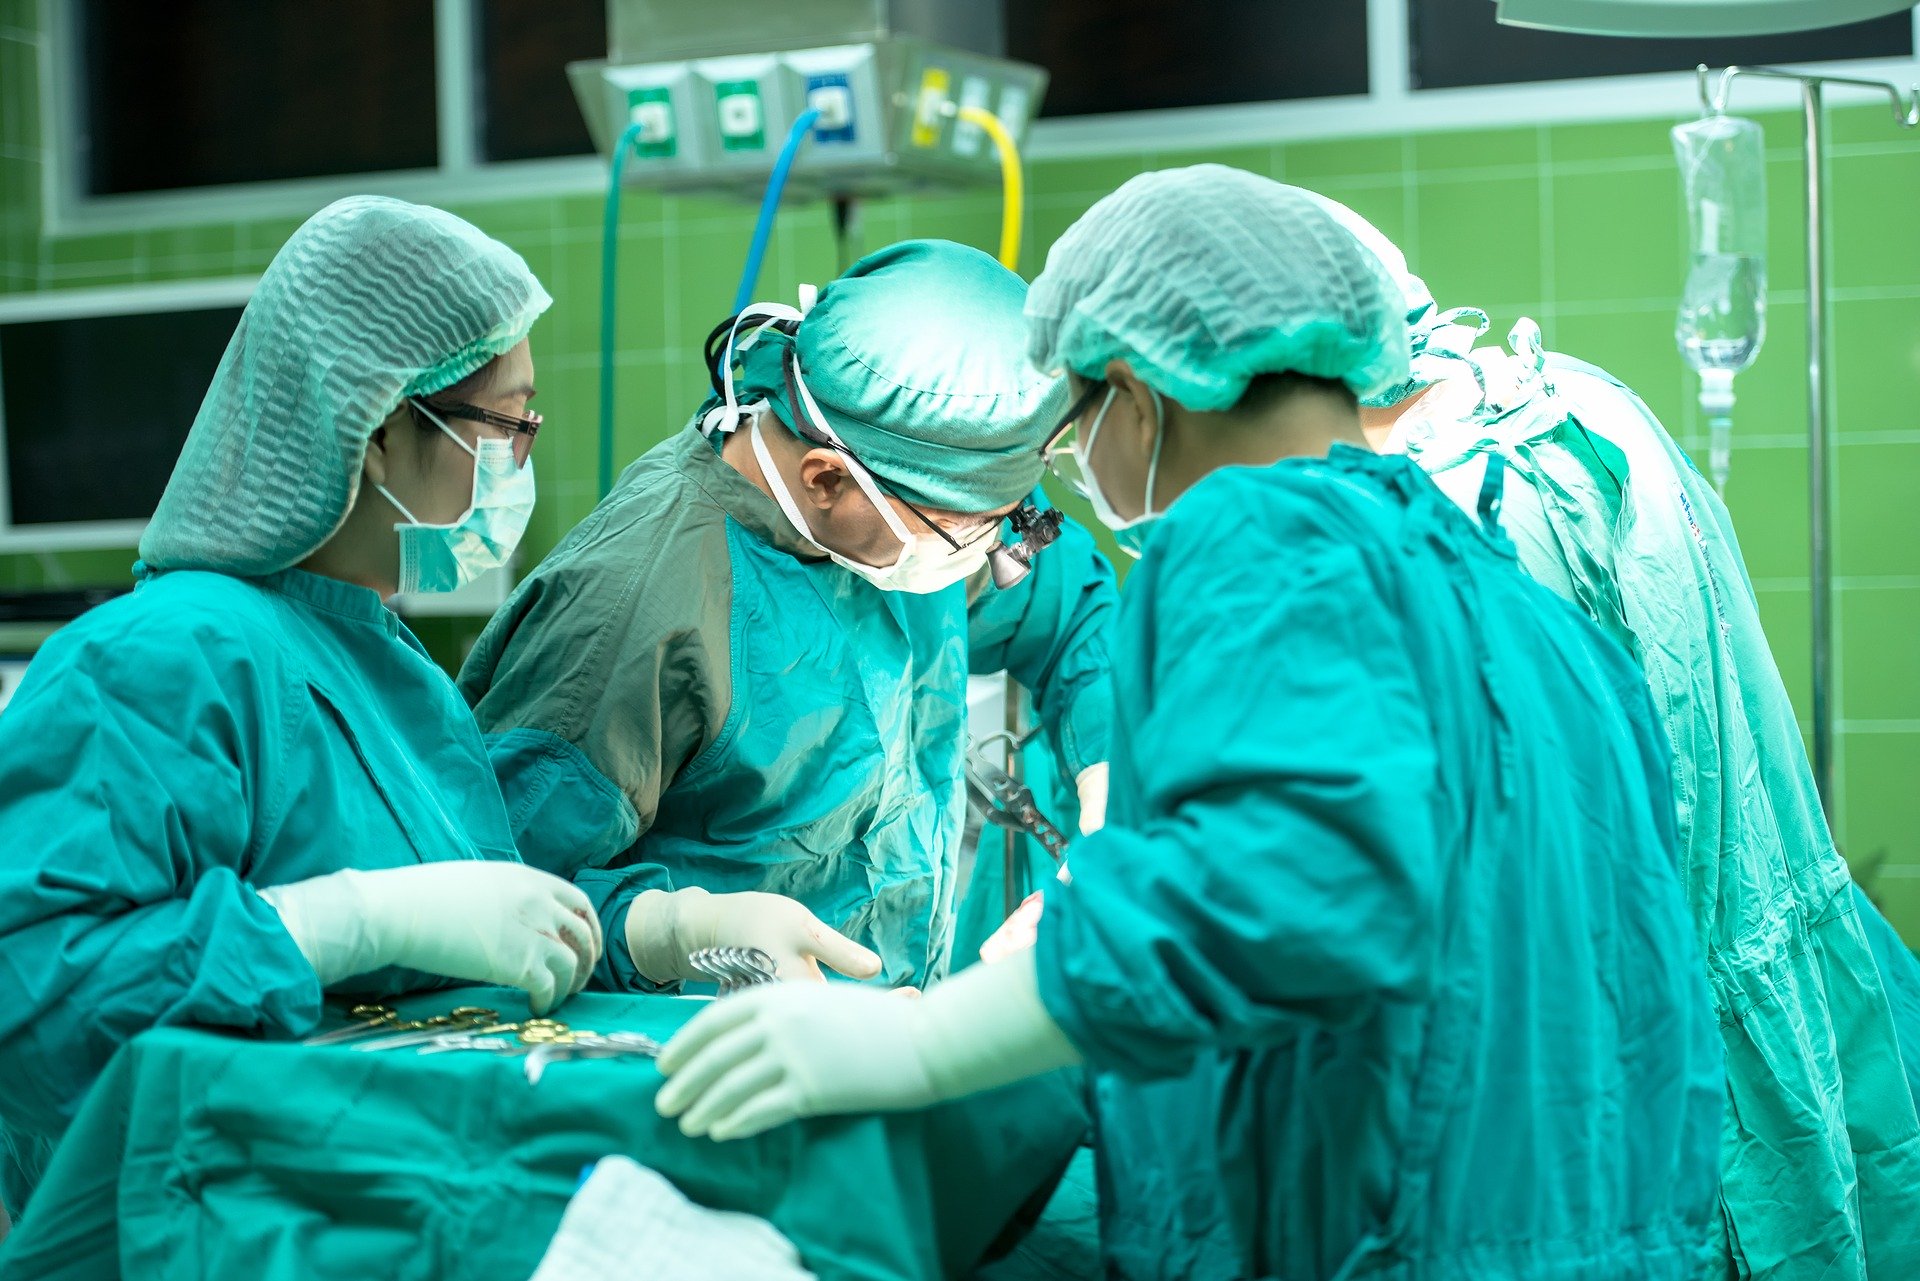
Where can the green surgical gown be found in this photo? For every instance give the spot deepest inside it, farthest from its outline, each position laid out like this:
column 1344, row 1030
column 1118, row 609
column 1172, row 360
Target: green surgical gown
column 687, row 694
column 1381, row 961
column 1822, row 1146
column 169, row 752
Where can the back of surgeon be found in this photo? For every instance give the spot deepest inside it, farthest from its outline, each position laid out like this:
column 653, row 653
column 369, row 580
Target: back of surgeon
column 1510, row 1071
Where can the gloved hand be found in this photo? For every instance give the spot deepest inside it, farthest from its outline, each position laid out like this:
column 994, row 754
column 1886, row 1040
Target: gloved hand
column 478, row 920
column 772, row 1054
column 665, row 927
column 1092, row 786
column 1017, row 933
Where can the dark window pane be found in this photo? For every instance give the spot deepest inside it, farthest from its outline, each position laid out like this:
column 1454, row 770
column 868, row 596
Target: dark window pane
column 1139, row 55
column 193, row 93
column 1459, row 42
column 85, row 447
column 527, row 108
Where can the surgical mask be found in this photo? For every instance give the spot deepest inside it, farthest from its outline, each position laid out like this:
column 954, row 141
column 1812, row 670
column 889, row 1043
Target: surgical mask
column 441, row 558
column 1130, row 534
column 926, row 563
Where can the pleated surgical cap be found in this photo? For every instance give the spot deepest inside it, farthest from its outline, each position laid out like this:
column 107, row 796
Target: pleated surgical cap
column 917, row 357
column 1206, row 278
column 371, row 300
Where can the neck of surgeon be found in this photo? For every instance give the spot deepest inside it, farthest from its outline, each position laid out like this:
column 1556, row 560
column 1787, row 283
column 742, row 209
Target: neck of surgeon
column 1279, row 416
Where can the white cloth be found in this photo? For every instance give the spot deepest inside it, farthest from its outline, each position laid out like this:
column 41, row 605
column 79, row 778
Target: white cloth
column 629, row 1222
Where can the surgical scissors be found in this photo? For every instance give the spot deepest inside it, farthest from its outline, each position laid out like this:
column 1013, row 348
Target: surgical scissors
column 733, row 968
column 380, row 1019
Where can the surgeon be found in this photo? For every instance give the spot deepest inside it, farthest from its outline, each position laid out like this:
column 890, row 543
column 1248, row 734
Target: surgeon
column 1821, row 1146
column 1402, row 992
column 744, row 675
column 245, row 784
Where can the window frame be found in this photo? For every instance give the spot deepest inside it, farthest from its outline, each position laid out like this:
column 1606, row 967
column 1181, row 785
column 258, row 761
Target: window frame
column 85, row 302
column 1391, row 106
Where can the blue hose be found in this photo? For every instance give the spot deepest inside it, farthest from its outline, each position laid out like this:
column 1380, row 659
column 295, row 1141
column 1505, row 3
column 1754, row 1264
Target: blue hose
column 770, row 205
column 609, row 257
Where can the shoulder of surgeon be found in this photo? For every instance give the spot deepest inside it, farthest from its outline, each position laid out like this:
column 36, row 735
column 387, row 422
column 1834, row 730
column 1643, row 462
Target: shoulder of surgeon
column 178, row 638
column 656, row 507
column 1255, row 517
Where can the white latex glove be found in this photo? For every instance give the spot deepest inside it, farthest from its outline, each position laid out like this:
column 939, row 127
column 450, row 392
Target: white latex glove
column 1017, row 933
column 665, row 928
column 478, row 920
column 1092, row 786
column 773, row 1054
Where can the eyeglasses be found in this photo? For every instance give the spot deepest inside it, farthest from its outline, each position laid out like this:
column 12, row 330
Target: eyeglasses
column 808, row 431
column 523, row 429
column 1059, row 454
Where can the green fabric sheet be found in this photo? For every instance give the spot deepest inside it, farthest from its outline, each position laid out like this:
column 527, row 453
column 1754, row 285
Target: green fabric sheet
column 208, row 1156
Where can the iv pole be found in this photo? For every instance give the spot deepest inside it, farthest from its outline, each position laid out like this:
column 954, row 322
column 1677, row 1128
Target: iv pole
column 1906, row 112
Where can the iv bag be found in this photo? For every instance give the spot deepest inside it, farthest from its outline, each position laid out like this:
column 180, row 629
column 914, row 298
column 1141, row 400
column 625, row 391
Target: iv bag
column 1723, row 308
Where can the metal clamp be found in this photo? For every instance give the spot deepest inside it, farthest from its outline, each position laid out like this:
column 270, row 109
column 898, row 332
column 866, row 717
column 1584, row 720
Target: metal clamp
column 1007, row 803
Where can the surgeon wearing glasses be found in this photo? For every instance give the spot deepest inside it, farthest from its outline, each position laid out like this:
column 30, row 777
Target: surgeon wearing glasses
column 731, row 706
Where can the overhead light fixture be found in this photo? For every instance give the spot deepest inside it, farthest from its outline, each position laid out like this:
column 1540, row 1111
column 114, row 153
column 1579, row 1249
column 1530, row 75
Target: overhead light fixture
column 1691, row 17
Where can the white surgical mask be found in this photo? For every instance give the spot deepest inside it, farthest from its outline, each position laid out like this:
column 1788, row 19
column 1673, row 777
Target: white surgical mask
column 926, row 563
column 441, row 558
column 1130, row 534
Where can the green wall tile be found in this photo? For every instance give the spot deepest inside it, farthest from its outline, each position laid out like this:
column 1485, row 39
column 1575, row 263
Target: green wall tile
column 21, row 15
column 261, row 239
column 1881, row 825
column 19, row 95
column 1478, row 149
column 1306, row 164
column 1634, row 346
column 1642, row 141
column 1479, row 239
column 1786, row 223
column 1382, row 202
column 641, row 300
column 108, row 247
column 1879, row 635
column 1266, row 160
column 1875, row 368
column 1896, row 891
column 1872, row 243
column 970, row 219
column 199, row 241
column 1092, row 175
column 1767, row 494
column 1871, row 124
column 507, row 219
column 1787, row 616
column 1046, row 221
column 1617, row 237
column 1877, row 521
column 710, row 257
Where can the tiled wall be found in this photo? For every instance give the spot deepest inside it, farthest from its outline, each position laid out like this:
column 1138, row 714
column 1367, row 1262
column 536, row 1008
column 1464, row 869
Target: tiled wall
column 1575, row 225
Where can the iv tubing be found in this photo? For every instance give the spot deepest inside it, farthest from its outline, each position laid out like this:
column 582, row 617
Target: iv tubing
column 1012, row 187
column 769, row 206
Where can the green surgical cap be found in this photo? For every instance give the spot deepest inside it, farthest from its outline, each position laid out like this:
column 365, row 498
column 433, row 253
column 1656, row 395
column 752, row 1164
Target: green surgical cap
column 917, row 358
column 370, row 301
column 1205, row 278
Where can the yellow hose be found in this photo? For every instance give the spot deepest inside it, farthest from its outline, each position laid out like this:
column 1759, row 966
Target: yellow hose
column 1011, row 183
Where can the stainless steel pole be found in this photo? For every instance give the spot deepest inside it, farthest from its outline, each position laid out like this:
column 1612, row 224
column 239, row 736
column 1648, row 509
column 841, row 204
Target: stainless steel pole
column 1010, row 887
column 1819, row 449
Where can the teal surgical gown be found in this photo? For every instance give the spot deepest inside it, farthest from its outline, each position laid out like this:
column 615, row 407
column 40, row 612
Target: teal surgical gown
column 1381, row 962
column 166, row 754
column 685, row 693
column 1821, row 1175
